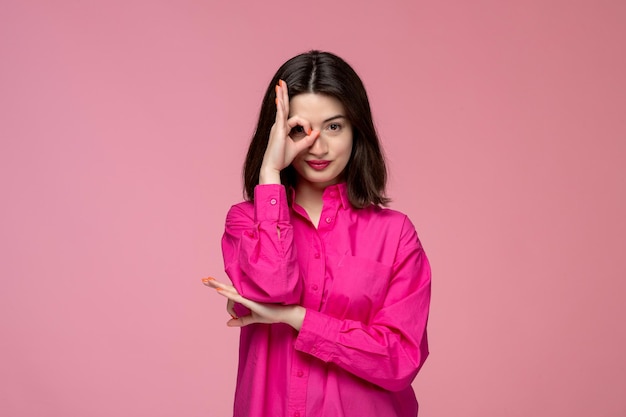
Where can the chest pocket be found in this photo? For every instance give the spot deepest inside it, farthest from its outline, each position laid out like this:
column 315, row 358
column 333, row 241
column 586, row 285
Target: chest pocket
column 356, row 287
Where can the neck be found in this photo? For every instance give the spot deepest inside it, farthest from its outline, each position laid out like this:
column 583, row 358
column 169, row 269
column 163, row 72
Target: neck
column 309, row 196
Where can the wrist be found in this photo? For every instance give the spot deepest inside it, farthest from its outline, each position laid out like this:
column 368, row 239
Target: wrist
column 295, row 317
column 269, row 176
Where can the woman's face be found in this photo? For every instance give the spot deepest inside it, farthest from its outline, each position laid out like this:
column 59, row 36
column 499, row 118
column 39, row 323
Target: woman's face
column 323, row 163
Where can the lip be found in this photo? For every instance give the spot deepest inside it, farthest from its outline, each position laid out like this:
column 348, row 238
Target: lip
column 318, row 165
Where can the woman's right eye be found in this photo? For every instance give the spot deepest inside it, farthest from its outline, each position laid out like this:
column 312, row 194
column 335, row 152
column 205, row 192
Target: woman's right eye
column 297, row 132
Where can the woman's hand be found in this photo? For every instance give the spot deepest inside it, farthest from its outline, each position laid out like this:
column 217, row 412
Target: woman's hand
column 230, row 308
column 259, row 312
column 281, row 148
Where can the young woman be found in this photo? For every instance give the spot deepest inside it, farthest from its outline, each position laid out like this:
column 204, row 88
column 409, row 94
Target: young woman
column 330, row 289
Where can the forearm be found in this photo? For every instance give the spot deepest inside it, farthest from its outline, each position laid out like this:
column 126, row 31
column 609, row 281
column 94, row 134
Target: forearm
column 382, row 354
column 259, row 256
column 389, row 349
column 265, row 313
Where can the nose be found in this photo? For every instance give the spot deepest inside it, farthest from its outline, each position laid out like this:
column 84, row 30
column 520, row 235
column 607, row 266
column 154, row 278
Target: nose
column 319, row 147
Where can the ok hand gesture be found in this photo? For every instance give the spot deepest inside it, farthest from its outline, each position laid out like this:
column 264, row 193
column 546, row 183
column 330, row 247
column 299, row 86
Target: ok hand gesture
column 281, row 148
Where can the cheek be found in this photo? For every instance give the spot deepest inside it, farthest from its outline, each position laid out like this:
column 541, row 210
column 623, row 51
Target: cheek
column 346, row 148
column 298, row 163
column 300, row 156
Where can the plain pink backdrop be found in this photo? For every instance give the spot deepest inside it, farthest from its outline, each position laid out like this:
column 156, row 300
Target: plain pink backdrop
column 123, row 126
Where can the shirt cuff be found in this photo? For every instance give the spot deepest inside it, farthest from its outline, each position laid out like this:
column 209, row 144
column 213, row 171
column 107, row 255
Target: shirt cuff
column 318, row 335
column 270, row 203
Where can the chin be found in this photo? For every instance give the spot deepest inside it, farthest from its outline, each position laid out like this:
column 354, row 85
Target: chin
column 322, row 181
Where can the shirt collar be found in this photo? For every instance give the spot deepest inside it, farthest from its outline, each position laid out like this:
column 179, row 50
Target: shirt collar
column 337, row 191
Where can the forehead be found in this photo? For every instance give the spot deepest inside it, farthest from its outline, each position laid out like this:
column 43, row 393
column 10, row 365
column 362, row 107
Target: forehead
column 315, row 107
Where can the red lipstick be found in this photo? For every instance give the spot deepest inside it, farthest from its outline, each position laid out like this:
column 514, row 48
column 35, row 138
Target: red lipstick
column 318, row 165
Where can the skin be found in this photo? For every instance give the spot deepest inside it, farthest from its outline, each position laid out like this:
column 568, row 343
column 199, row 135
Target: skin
column 333, row 144
column 310, row 127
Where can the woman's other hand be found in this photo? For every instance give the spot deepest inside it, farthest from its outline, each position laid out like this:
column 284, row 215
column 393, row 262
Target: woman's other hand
column 230, row 308
column 283, row 148
column 292, row 315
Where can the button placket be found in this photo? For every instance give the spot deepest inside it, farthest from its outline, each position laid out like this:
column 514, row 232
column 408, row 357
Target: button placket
column 297, row 393
column 315, row 272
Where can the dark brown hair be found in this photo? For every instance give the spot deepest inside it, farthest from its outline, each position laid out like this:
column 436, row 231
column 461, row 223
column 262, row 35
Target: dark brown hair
column 325, row 73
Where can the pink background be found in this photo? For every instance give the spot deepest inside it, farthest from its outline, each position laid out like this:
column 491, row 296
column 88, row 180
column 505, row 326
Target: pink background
column 123, row 128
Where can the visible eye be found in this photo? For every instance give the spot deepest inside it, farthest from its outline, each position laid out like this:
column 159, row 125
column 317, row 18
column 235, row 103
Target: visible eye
column 297, row 132
column 334, row 127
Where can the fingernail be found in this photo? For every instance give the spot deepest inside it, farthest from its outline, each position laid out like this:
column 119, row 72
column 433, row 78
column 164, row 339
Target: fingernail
column 276, row 88
column 218, row 289
column 234, row 317
column 276, row 100
column 309, row 132
column 281, row 83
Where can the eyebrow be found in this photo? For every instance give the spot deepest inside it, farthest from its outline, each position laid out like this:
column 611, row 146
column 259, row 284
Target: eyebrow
column 339, row 116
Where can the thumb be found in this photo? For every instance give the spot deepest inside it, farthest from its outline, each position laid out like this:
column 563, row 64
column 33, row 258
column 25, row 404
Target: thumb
column 240, row 321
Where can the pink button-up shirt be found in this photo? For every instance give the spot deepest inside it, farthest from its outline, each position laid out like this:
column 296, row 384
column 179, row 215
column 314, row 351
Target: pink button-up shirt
column 364, row 280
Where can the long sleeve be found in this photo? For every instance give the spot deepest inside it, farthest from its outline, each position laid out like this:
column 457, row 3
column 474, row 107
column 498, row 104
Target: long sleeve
column 364, row 280
column 259, row 255
column 390, row 349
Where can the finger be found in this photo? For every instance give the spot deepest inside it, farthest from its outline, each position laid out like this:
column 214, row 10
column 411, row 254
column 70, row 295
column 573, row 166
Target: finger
column 207, row 281
column 280, row 110
column 285, row 92
column 230, row 308
column 213, row 283
column 237, row 298
column 307, row 141
column 282, row 95
column 299, row 121
column 232, row 295
column 240, row 321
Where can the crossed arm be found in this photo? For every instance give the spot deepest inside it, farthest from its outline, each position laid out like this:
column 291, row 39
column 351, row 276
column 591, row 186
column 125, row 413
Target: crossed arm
column 292, row 315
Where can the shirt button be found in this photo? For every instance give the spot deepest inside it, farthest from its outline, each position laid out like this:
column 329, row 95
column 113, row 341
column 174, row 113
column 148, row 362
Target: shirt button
column 296, row 414
column 273, row 201
column 316, row 256
column 314, row 287
column 300, row 373
column 328, row 220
